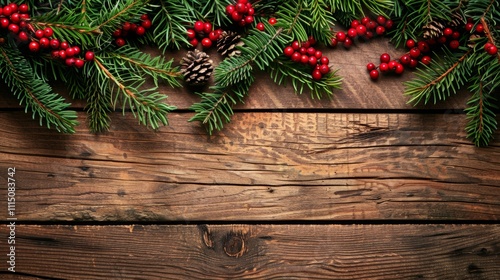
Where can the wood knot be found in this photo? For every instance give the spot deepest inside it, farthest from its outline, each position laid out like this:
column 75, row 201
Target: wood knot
column 234, row 245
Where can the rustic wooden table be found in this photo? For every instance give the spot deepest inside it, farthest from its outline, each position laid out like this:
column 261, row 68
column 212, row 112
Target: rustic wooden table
column 361, row 186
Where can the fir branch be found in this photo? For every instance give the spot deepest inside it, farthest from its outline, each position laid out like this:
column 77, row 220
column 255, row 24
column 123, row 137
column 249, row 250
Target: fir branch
column 216, row 11
column 215, row 108
column 36, row 94
column 146, row 105
column 156, row 67
column 440, row 79
column 283, row 69
column 98, row 104
column 293, row 19
column 169, row 20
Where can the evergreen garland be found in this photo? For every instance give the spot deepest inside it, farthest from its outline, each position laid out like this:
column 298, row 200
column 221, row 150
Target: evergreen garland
column 113, row 76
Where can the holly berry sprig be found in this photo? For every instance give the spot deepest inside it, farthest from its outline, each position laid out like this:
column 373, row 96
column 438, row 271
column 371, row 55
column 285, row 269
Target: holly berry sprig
column 129, row 29
column 242, row 12
column 305, row 53
column 203, row 32
column 365, row 29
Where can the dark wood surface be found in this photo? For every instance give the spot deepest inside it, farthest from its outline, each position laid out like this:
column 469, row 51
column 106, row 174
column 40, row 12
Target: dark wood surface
column 360, row 186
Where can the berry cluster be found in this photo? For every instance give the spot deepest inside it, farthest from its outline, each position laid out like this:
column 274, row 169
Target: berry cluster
column 366, row 28
column 241, row 13
column 489, row 47
column 306, row 54
column 203, row 32
column 15, row 18
column 129, row 29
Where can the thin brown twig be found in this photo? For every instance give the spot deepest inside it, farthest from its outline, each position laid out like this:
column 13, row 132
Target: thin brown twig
column 438, row 79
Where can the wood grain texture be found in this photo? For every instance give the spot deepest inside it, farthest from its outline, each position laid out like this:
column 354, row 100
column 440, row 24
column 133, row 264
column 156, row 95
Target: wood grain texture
column 358, row 91
column 259, row 252
column 262, row 167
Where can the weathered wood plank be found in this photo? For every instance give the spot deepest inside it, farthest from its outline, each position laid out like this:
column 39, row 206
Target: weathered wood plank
column 258, row 252
column 263, row 166
column 358, row 92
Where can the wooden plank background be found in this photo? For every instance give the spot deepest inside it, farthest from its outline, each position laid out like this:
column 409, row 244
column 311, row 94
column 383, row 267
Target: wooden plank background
column 360, row 186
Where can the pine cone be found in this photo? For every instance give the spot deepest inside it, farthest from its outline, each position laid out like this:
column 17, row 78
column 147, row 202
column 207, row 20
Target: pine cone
column 227, row 43
column 197, row 68
column 433, row 29
column 456, row 19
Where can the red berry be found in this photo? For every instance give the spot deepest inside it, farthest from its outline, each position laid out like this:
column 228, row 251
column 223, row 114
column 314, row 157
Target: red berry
column 304, row 59
column 199, row 26
column 54, row 44
column 4, row 23
column 79, row 63
column 454, row 44
column 251, row 11
column 23, row 36
column 236, row 16
column 126, row 26
column 385, row 57
column 273, row 21
column 311, row 51
column 248, row 19
column 426, row 60
column 14, row 7
column 355, row 23
column 62, row 54
column 413, row 63
column 469, row 26
column 146, row 23
column 140, row 31
column 14, row 28
column 44, row 43
column 70, row 61
column 334, row 42
column 423, row 46
column 54, row 54
column 120, row 42
column 479, row 27
column 7, row 11
column 89, row 56
column 303, row 50
column 324, row 69
column 260, row 26
column 191, row 34
column 313, row 61
column 39, row 33
column 193, row 42
column 230, row 9
column 118, row 33
column 381, row 20
column 241, row 8
column 316, row 74
column 295, row 45
column 23, row 8
column 374, row 74
column 370, row 66
column 64, row 45
column 213, row 36
column 70, row 52
column 207, row 27
column 361, row 30
column 311, row 40
column 347, row 42
column 389, row 24
column 144, row 17
column 369, row 35
column 488, row 45
column 380, row 30
column 384, row 67
column 371, row 25
column 447, row 32
column 352, row 32
column 206, row 43
column 442, row 40
column 399, row 69
column 318, row 54
column 243, row 1
column 324, row 60
column 455, row 35
column 296, row 56
column 392, row 64
column 48, row 32
column 415, row 52
column 77, row 50
column 305, row 44
column 405, row 59
column 365, row 20
column 15, row 18
column 492, row 50
column 33, row 46
column 340, row 36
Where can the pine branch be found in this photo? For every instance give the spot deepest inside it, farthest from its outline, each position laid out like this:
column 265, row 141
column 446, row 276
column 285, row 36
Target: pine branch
column 98, row 104
column 300, row 76
column 443, row 77
column 146, row 105
column 216, row 108
column 215, row 11
column 156, row 67
column 36, row 94
column 169, row 20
